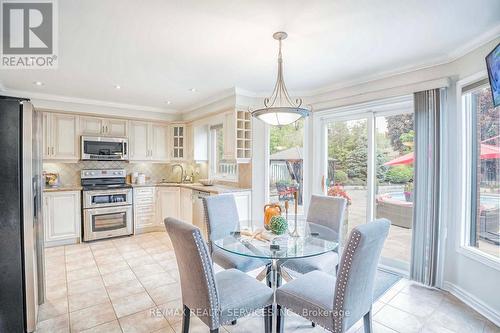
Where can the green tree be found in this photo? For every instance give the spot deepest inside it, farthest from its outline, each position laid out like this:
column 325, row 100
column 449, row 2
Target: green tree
column 397, row 126
column 284, row 137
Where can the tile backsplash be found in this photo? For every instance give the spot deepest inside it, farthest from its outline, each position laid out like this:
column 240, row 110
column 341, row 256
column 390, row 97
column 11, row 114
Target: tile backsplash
column 69, row 173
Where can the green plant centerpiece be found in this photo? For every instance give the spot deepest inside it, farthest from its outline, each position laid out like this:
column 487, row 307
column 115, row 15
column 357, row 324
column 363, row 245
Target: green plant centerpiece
column 278, row 225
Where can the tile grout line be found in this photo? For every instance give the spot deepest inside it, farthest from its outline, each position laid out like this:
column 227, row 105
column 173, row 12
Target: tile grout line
column 156, row 305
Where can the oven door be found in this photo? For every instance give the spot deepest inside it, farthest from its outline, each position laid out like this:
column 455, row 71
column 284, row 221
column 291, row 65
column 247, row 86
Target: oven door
column 104, row 149
column 94, row 199
column 107, row 222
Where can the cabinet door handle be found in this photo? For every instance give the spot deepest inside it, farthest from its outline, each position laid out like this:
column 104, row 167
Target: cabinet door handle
column 52, row 150
column 48, row 151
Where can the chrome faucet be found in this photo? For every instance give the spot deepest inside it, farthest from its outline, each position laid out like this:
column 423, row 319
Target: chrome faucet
column 182, row 171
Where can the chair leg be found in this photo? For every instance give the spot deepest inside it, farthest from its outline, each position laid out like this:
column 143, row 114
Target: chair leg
column 268, row 319
column 367, row 320
column 234, row 322
column 280, row 320
column 214, row 331
column 186, row 315
column 313, row 324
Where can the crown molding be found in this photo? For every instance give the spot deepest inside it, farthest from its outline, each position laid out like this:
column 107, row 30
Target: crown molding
column 58, row 99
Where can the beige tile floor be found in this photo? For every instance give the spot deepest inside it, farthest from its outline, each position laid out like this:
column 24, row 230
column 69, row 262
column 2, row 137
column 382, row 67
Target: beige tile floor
column 132, row 285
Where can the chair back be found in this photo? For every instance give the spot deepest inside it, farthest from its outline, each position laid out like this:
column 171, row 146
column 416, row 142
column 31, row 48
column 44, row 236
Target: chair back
column 356, row 274
column 327, row 212
column 221, row 216
column 199, row 290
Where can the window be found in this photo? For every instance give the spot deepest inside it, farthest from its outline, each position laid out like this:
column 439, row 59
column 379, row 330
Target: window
column 286, row 164
column 220, row 168
column 483, row 162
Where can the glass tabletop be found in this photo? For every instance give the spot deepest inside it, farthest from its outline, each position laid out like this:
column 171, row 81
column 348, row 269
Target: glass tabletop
column 313, row 240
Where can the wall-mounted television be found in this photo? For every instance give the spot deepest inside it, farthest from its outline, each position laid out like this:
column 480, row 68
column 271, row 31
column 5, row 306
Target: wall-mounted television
column 493, row 65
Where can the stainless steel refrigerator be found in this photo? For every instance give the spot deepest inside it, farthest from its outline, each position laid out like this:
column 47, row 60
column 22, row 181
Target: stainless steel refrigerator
column 21, row 226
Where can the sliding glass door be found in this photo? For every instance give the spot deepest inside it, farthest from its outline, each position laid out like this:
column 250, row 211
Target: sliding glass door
column 369, row 161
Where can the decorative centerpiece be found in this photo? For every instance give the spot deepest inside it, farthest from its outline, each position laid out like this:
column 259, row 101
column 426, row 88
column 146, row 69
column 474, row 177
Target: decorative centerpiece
column 278, row 225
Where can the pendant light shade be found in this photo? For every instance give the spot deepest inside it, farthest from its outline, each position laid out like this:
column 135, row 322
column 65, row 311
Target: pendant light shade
column 279, row 109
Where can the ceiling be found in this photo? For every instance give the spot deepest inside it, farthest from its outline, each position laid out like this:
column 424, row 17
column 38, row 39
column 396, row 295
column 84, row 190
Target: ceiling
column 158, row 50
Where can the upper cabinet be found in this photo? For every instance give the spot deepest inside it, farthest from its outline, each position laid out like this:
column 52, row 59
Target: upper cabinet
column 200, row 149
column 237, row 136
column 148, row 141
column 103, row 126
column 178, row 137
column 60, row 136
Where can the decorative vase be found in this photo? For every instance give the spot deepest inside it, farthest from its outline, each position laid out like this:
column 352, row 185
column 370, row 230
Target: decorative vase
column 270, row 210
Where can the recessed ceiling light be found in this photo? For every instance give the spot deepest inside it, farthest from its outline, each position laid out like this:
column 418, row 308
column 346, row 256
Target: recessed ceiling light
column 169, row 102
column 117, row 86
column 192, row 89
column 38, row 83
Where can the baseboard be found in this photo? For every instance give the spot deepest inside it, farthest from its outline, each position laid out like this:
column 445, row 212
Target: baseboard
column 473, row 302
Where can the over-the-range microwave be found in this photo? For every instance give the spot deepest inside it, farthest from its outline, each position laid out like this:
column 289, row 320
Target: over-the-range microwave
column 99, row 148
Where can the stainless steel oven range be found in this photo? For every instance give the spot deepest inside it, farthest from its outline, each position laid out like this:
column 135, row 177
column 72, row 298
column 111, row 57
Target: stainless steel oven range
column 107, row 204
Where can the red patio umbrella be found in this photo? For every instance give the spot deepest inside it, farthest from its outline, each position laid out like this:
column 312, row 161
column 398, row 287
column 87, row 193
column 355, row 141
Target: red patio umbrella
column 487, row 152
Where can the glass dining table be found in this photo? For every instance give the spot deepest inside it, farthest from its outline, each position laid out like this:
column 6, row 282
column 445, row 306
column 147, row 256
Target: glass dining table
column 310, row 240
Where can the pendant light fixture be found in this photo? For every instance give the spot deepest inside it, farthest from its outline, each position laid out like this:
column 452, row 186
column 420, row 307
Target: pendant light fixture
column 279, row 109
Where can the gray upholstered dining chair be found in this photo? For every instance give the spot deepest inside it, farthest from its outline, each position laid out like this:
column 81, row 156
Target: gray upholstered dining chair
column 221, row 218
column 327, row 214
column 337, row 303
column 217, row 299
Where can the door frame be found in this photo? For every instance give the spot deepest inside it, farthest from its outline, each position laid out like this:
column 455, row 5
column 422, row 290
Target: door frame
column 369, row 111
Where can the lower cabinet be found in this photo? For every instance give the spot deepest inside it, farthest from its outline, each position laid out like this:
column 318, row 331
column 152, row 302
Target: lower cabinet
column 186, row 205
column 145, row 209
column 244, row 205
column 168, row 203
column 62, row 217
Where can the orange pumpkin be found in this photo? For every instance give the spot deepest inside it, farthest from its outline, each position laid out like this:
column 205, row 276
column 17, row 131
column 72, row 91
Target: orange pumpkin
column 271, row 210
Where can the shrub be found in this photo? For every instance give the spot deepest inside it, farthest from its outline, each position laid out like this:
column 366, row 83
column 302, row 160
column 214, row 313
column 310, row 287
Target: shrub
column 340, row 177
column 399, row 174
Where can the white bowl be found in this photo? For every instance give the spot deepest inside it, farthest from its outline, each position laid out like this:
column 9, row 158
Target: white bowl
column 206, row 182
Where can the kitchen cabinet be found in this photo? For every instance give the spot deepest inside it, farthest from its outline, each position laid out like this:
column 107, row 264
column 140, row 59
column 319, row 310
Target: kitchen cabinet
column 103, row 126
column 159, row 142
column 148, row 141
column 200, row 137
column 178, row 135
column 60, row 136
column 145, row 209
column 168, row 203
column 186, row 205
column 243, row 201
column 61, row 217
column 237, row 136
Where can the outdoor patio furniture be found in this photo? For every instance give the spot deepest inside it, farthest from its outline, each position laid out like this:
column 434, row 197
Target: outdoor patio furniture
column 400, row 213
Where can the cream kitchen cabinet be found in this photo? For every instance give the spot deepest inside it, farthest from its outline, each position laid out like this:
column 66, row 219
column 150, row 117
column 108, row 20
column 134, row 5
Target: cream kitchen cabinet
column 237, row 136
column 60, row 136
column 148, row 141
column 61, row 217
column 243, row 201
column 167, row 204
column 103, row 126
column 186, row 205
column 145, row 209
column 178, row 140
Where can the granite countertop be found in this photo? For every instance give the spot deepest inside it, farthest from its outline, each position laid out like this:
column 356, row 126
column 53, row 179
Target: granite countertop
column 60, row 188
column 216, row 189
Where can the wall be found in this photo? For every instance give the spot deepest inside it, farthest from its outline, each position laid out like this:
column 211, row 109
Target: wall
column 474, row 282
column 69, row 173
